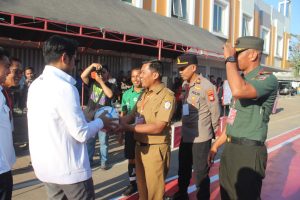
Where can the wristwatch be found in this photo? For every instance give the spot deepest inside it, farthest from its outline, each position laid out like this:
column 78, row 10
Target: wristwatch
column 230, row 59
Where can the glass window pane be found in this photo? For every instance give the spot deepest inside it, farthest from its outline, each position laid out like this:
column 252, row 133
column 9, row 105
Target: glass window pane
column 184, row 9
column 220, row 13
column 215, row 18
column 245, row 26
column 175, row 4
column 128, row 1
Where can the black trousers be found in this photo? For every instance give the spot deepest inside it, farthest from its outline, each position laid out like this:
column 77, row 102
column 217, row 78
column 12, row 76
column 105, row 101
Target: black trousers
column 6, row 185
column 194, row 155
column 242, row 169
column 129, row 149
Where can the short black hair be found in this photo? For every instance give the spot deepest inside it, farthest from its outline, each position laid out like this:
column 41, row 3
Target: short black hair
column 105, row 66
column 3, row 53
column 28, row 68
column 155, row 65
column 56, row 46
column 14, row 59
column 135, row 68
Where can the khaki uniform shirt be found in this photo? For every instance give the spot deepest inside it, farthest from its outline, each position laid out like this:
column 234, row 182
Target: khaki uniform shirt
column 253, row 115
column 156, row 105
column 203, row 118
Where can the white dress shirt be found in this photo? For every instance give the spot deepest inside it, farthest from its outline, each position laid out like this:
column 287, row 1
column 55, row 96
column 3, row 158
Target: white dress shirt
column 7, row 152
column 57, row 129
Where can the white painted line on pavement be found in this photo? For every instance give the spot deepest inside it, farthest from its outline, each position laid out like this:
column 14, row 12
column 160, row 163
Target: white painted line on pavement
column 216, row 177
column 192, row 188
column 283, row 143
column 281, row 134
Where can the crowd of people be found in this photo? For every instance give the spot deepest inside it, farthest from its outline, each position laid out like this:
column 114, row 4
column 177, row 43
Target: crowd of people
column 147, row 108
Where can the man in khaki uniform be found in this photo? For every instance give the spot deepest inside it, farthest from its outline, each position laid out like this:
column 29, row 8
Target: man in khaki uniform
column 200, row 119
column 151, row 128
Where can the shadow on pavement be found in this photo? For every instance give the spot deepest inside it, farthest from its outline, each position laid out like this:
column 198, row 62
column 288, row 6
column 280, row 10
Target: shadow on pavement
column 112, row 187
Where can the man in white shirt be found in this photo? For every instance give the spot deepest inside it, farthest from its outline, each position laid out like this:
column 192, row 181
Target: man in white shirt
column 57, row 127
column 7, row 152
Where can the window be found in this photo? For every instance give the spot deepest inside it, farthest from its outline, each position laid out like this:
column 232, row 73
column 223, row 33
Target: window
column 283, row 7
column 246, row 24
column 279, row 46
column 218, row 16
column 179, row 9
column 265, row 35
column 128, row 1
column 219, row 25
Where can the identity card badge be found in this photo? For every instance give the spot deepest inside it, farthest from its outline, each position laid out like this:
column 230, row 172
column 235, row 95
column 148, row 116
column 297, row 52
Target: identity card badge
column 185, row 109
column 139, row 119
column 231, row 116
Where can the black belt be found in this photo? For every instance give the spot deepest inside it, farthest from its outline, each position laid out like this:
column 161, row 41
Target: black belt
column 244, row 141
column 142, row 144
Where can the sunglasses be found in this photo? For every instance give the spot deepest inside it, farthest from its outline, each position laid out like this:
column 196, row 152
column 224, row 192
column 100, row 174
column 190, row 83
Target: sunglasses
column 239, row 52
column 182, row 68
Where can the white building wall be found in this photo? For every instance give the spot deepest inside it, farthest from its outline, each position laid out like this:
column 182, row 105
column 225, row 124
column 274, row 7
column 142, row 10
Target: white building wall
column 137, row 3
column 225, row 21
column 191, row 12
column 169, row 8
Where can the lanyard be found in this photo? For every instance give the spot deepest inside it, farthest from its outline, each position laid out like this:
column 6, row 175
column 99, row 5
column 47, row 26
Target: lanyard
column 233, row 104
column 186, row 92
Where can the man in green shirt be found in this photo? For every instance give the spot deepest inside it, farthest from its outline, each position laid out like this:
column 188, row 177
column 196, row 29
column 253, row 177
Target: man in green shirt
column 244, row 159
column 129, row 99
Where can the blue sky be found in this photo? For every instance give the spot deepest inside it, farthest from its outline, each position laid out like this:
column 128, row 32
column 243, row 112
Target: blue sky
column 295, row 14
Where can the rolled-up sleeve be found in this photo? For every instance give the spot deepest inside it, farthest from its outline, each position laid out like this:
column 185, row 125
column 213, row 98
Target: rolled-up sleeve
column 264, row 85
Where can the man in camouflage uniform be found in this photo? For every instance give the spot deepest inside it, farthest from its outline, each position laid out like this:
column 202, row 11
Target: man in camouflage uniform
column 244, row 158
column 200, row 119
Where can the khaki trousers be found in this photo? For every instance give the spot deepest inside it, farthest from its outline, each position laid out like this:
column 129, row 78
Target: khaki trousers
column 152, row 166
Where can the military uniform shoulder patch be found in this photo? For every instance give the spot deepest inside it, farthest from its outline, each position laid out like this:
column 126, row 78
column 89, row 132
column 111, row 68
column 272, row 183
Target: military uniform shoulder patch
column 210, row 95
column 167, row 105
column 261, row 77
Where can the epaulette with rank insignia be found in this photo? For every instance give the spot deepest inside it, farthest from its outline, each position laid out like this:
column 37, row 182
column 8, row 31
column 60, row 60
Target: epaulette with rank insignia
column 262, row 75
column 197, row 84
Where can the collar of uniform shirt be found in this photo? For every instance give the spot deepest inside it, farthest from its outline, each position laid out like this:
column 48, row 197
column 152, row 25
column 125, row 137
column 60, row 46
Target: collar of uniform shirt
column 51, row 70
column 132, row 90
column 157, row 89
column 192, row 84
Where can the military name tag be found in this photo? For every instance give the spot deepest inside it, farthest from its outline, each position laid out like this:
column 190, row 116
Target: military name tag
column 231, row 116
column 185, row 109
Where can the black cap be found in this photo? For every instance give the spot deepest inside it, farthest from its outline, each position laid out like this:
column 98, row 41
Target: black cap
column 186, row 60
column 249, row 42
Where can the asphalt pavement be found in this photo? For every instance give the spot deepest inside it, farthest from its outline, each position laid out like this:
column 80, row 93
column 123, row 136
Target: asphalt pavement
column 110, row 183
